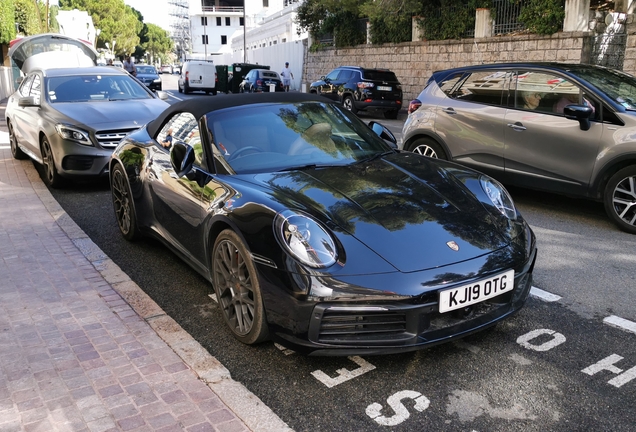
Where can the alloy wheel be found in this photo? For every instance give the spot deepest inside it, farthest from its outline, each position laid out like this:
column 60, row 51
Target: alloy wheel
column 13, row 141
column 233, row 284
column 425, row 150
column 624, row 200
column 121, row 201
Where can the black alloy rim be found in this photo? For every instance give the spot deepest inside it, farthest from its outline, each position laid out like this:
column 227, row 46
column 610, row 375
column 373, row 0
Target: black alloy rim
column 121, row 201
column 233, row 285
column 13, row 140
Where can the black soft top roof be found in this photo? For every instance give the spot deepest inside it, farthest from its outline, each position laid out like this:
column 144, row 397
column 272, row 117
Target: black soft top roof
column 200, row 106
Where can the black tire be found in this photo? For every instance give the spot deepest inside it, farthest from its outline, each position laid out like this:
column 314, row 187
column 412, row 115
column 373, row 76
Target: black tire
column 123, row 204
column 186, row 90
column 49, row 173
column 237, row 289
column 428, row 147
column 347, row 102
column 391, row 115
column 16, row 152
column 620, row 199
column 214, row 92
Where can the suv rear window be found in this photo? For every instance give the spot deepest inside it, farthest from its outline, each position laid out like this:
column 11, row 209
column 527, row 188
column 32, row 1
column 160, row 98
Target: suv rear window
column 376, row 75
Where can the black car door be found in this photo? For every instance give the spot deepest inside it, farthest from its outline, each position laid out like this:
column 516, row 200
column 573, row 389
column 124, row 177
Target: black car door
column 177, row 200
column 329, row 87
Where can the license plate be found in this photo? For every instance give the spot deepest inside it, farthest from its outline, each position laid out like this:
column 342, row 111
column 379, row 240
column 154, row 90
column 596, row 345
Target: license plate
column 195, row 81
column 466, row 295
column 384, row 88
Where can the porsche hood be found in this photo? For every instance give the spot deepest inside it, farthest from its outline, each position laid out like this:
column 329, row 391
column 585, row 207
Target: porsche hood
column 411, row 212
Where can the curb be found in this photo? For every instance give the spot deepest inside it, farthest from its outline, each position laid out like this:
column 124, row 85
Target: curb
column 245, row 405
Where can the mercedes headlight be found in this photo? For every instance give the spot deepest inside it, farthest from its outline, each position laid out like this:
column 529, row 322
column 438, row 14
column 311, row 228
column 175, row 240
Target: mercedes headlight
column 499, row 196
column 305, row 239
column 73, row 134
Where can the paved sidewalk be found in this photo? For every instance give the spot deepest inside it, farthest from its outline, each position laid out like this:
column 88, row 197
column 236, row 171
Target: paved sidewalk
column 82, row 347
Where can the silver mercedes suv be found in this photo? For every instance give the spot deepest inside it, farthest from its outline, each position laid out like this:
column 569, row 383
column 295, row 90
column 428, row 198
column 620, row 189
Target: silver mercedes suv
column 562, row 128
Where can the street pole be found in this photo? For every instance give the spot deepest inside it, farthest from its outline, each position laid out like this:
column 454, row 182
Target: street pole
column 205, row 38
column 244, row 33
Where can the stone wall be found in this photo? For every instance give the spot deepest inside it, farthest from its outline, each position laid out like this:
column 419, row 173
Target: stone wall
column 414, row 62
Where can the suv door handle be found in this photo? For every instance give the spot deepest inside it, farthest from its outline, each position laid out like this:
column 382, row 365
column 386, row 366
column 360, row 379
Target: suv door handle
column 449, row 110
column 516, row 126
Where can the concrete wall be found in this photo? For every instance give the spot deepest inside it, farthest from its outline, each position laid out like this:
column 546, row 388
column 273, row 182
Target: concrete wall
column 414, row 62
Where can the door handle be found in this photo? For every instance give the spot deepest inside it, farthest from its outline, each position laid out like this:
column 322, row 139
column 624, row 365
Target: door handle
column 516, row 126
column 449, row 110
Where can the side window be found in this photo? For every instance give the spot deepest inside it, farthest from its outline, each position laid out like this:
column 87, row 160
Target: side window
column 26, row 86
column 333, row 75
column 549, row 93
column 185, row 128
column 449, row 83
column 36, row 89
column 485, row 87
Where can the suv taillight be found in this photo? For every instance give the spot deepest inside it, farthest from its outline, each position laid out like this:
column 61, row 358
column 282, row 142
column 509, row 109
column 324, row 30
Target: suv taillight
column 414, row 105
column 364, row 85
column 259, row 82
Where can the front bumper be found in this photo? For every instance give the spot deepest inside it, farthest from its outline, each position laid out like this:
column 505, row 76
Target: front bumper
column 76, row 160
column 342, row 328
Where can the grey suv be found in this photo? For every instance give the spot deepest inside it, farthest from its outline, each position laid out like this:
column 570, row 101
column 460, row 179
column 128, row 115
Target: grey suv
column 563, row 128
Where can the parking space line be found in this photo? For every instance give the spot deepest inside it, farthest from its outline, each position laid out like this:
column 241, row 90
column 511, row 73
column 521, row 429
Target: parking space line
column 544, row 295
column 173, row 96
column 620, row 323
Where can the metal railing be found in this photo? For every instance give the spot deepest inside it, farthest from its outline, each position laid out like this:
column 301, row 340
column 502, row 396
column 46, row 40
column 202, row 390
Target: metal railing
column 507, row 16
column 225, row 9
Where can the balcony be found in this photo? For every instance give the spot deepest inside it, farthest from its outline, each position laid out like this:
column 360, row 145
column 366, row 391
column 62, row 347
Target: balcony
column 222, row 9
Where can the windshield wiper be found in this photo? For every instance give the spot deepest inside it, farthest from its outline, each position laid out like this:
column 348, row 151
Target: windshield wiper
column 375, row 156
column 308, row 166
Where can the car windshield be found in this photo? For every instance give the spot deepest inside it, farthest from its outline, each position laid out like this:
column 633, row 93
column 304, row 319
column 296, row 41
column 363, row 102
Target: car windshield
column 617, row 85
column 278, row 137
column 84, row 88
column 150, row 70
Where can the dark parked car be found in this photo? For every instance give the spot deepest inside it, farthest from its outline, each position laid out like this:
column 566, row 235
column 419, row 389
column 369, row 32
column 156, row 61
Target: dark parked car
column 149, row 76
column 69, row 119
column 362, row 89
column 315, row 232
column 260, row 81
column 563, row 128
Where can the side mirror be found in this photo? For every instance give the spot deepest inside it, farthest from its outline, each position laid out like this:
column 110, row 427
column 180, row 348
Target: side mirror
column 162, row 95
column 384, row 133
column 581, row 113
column 181, row 158
column 27, row 101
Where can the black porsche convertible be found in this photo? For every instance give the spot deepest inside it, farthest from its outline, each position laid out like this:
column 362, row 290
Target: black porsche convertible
column 315, row 232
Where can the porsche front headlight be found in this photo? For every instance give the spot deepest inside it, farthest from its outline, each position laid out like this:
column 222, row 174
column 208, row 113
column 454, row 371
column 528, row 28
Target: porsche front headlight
column 305, row 239
column 499, row 196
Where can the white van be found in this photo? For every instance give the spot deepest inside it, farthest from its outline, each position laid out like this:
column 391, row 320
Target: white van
column 198, row 75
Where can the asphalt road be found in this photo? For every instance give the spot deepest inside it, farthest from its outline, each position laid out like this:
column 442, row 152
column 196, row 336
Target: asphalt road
column 557, row 365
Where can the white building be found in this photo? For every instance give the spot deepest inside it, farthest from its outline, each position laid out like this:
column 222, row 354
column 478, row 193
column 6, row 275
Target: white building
column 77, row 24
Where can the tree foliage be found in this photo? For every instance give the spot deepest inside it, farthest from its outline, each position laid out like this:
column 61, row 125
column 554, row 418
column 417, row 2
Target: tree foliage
column 159, row 42
column 7, row 27
column 27, row 16
column 543, row 16
column 117, row 22
column 332, row 17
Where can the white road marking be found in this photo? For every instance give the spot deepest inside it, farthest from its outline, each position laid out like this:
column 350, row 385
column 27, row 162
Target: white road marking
column 556, row 340
column 401, row 412
column 344, row 374
column 173, row 96
column 620, row 323
column 544, row 295
column 608, row 364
